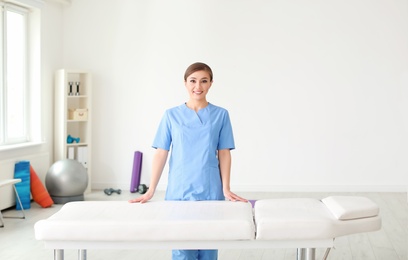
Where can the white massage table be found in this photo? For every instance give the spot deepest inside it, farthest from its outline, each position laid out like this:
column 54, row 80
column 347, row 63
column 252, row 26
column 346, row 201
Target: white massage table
column 301, row 223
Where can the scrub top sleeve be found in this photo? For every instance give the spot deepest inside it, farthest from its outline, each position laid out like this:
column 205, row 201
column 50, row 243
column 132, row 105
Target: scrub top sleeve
column 163, row 135
column 226, row 135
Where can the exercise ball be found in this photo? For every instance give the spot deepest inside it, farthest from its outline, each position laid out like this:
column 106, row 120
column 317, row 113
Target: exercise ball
column 66, row 181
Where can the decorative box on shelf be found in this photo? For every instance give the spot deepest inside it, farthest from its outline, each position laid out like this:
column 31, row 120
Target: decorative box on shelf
column 78, row 114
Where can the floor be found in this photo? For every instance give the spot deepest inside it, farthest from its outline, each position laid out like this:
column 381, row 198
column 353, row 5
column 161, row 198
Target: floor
column 17, row 237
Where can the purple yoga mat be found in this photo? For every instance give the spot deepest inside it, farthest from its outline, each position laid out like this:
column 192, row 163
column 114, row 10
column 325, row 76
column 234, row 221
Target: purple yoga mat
column 137, row 167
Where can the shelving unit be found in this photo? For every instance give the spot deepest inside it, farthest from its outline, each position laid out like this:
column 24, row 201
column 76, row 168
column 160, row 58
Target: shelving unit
column 70, row 98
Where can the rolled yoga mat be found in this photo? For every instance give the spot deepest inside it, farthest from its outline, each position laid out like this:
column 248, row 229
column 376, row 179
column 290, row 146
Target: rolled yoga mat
column 22, row 171
column 137, row 167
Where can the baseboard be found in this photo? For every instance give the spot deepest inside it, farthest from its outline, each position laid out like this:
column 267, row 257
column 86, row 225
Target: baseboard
column 66, row 2
column 280, row 188
column 320, row 188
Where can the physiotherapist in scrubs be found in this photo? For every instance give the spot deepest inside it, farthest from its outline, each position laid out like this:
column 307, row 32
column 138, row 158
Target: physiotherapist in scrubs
column 199, row 135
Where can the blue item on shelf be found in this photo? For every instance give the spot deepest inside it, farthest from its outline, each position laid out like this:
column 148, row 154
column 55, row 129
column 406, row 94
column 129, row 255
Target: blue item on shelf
column 71, row 139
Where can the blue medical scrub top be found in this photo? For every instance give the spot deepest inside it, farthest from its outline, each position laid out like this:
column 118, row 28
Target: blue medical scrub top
column 194, row 138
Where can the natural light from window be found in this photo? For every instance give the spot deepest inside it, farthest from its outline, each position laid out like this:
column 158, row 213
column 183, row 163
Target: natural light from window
column 20, row 75
column 15, row 76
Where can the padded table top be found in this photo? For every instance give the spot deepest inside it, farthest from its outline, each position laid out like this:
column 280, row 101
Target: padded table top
column 306, row 218
column 296, row 219
column 152, row 221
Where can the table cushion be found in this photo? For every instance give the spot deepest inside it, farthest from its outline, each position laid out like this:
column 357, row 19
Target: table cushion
column 355, row 226
column 351, row 207
column 306, row 218
column 292, row 218
column 152, row 221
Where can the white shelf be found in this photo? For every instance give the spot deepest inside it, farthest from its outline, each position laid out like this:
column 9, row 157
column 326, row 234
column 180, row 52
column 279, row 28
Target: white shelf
column 80, row 96
column 78, row 144
column 76, row 128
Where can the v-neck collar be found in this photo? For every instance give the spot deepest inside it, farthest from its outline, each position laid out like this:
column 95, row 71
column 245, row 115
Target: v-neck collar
column 198, row 111
column 202, row 115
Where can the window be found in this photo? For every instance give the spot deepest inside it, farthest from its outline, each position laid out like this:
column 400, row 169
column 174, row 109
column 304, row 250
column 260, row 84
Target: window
column 14, row 101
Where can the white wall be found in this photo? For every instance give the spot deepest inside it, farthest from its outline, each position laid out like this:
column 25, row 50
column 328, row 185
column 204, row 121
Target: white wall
column 51, row 54
column 317, row 90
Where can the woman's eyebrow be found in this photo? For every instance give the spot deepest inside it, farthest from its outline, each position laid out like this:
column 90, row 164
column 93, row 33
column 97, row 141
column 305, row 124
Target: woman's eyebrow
column 200, row 78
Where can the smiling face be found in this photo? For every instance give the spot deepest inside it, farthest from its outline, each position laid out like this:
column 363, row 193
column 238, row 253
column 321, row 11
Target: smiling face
column 198, row 85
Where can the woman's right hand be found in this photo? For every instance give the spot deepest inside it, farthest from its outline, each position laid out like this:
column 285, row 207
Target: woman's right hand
column 144, row 198
column 159, row 160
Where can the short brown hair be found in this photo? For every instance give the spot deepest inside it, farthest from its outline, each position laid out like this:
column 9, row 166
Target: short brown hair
column 198, row 66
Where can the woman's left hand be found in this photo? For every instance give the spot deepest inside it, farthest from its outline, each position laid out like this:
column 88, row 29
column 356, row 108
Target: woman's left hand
column 229, row 195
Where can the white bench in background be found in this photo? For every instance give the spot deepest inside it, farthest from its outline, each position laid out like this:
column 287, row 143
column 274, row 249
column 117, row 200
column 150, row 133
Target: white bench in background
column 11, row 182
column 301, row 223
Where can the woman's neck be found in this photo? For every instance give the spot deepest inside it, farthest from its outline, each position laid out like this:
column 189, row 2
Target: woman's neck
column 196, row 105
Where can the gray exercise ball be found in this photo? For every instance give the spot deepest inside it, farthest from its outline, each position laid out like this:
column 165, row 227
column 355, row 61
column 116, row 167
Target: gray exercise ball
column 66, row 181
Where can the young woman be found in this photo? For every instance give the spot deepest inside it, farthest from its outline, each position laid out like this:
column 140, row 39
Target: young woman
column 200, row 137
